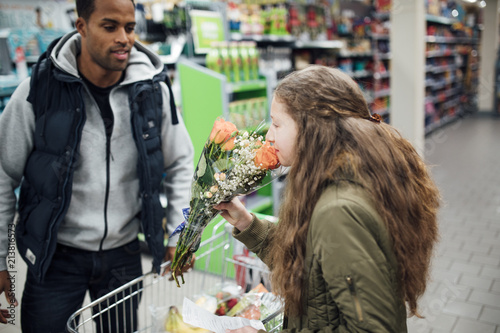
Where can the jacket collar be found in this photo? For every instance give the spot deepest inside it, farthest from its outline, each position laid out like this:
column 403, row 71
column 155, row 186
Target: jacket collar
column 143, row 64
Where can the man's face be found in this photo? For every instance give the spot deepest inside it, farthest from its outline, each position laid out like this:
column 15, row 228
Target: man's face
column 108, row 35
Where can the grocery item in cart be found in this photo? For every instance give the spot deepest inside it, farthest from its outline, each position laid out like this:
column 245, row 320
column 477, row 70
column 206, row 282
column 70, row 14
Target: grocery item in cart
column 175, row 323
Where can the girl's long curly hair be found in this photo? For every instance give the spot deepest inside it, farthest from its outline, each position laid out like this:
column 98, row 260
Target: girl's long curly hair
column 336, row 140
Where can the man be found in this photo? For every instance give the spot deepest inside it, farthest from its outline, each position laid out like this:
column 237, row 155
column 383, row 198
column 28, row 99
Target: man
column 90, row 136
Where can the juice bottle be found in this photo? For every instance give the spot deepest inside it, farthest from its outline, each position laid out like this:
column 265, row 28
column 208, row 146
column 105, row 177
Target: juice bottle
column 254, row 60
column 226, row 60
column 213, row 59
column 245, row 61
column 235, row 62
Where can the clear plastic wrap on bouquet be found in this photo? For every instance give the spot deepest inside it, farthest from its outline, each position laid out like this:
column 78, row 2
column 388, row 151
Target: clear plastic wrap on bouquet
column 232, row 163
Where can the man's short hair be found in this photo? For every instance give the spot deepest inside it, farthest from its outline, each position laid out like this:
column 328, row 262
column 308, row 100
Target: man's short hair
column 85, row 8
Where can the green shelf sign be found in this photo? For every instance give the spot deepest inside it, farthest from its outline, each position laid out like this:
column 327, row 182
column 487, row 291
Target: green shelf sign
column 206, row 28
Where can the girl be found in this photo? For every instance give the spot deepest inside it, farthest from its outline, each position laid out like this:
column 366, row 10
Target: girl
column 358, row 222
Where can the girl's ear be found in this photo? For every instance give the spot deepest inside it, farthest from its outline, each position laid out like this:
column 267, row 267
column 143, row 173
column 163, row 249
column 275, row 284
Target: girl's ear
column 81, row 26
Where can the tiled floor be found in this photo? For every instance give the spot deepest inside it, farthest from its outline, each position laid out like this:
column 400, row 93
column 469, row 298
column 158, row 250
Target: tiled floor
column 464, row 294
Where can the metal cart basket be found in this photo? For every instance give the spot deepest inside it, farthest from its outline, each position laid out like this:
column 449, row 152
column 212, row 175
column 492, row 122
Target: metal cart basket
column 153, row 294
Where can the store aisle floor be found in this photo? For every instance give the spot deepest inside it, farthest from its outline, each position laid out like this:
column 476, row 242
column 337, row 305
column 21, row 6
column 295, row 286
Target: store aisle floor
column 464, row 294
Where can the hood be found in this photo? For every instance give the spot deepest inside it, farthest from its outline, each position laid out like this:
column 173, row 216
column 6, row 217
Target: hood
column 143, row 63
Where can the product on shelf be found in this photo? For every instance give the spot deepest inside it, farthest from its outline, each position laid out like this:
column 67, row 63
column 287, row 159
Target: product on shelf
column 245, row 61
column 238, row 61
column 383, row 6
column 213, row 59
column 226, row 60
column 248, row 113
column 253, row 54
column 234, row 54
column 451, row 77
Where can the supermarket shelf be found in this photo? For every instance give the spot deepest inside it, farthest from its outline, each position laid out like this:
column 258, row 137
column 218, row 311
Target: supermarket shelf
column 326, row 44
column 32, row 59
column 382, row 93
column 451, row 40
column 8, row 83
column 235, row 36
column 298, row 44
column 380, row 36
column 347, row 54
column 435, row 85
column 445, row 88
column 452, row 103
column 443, row 97
column 442, row 69
column 439, row 84
column 383, row 56
column 7, row 90
column 383, row 112
column 360, row 74
column 439, row 123
column 440, row 19
column 246, row 86
column 382, row 15
column 445, row 53
column 381, row 75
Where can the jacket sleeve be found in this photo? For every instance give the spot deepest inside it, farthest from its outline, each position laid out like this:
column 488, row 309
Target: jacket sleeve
column 358, row 274
column 256, row 237
column 17, row 125
column 178, row 158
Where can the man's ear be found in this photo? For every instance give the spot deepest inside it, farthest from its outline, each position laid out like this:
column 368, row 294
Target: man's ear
column 81, row 26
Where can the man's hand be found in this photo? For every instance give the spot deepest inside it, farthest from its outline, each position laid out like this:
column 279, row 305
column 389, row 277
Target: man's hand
column 5, row 287
column 4, row 314
column 169, row 256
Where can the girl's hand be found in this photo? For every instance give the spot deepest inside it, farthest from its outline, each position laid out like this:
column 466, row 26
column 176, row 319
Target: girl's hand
column 235, row 213
column 245, row 329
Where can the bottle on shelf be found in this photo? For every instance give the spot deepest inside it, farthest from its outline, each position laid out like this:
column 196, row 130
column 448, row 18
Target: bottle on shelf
column 213, row 58
column 234, row 55
column 245, row 61
column 253, row 54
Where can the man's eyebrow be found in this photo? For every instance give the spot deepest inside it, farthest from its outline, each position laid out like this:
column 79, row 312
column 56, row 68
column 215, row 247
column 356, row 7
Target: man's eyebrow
column 115, row 21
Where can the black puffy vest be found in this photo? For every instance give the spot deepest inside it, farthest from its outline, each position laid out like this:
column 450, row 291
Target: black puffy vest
column 46, row 189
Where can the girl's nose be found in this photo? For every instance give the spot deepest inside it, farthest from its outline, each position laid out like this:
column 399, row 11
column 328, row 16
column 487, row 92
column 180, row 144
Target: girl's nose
column 270, row 136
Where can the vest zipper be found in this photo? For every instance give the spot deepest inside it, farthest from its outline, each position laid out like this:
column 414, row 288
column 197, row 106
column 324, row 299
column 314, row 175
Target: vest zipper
column 108, row 133
column 106, row 195
column 357, row 304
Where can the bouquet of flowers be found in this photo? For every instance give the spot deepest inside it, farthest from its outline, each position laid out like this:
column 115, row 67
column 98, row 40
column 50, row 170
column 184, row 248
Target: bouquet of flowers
column 232, row 163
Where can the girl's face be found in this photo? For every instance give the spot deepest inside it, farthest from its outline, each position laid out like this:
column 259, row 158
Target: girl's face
column 282, row 133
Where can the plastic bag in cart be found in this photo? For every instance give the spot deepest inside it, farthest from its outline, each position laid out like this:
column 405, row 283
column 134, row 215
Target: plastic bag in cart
column 251, row 272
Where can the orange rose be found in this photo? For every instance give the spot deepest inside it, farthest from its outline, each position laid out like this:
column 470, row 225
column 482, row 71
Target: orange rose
column 229, row 145
column 266, row 158
column 222, row 132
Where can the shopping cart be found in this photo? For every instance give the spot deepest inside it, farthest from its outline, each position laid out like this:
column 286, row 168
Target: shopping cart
column 154, row 294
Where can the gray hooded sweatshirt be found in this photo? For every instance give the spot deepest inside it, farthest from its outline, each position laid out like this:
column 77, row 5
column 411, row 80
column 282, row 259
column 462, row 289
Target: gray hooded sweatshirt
column 84, row 223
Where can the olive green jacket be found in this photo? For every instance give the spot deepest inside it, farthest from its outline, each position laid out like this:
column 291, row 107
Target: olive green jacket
column 351, row 268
